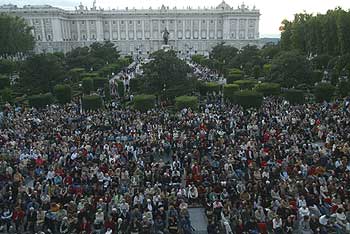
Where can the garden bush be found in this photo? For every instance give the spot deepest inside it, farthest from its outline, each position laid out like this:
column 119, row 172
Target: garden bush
column 186, row 102
column 268, row 89
column 245, row 84
column 76, row 74
column 209, row 87
column 144, row 102
column 234, row 75
column 88, row 85
column 294, row 96
column 248, row 98
column 344, row 88
column 63, row 93
column 40, row 100
column 4, row 82
column 92, row 102
column 99, row 82
column 107, row 91
column 229, row 91
column 120, row 88
column 324, row 92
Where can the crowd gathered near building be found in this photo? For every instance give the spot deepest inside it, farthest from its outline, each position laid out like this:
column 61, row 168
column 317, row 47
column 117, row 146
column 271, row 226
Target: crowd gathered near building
column 279, row 169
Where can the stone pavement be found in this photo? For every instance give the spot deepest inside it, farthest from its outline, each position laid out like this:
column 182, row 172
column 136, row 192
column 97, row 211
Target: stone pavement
column 198, row 220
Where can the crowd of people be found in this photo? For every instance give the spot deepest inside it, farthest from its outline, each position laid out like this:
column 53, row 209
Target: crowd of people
column 281, row 168
column 206, row 74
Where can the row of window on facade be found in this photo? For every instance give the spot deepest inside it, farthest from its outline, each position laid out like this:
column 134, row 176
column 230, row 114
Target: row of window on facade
column 130, row 36
column 139, row 21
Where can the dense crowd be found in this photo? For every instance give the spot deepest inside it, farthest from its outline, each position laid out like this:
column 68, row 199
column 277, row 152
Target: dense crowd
column 206, row 74
column 281, row 169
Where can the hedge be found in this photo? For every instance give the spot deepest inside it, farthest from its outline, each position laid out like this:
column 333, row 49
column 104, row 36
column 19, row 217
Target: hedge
column 76, row 73
column 92, row 102
column 4, row 82
column 245, row 84
column 107, row 91
column 209, row 87
column 344, row 88
column 99, row 82
column 41, row 100
column 6, row 95
column 120, row 88
column 136, row 85
column 63, row 93
column 144, row 102
column 186, row 102
column 234, row 75
column 248, row 98
column 229, row 91
column 88, row 85
column 324, row 92
column 268, row 89
column 294, row 96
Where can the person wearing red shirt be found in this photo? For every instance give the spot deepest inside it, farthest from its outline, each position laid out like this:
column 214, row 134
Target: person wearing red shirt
column 18, row 217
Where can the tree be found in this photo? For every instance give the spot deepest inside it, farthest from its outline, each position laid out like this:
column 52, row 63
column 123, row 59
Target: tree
column 324, row 92
column 15, row 36
column 4, row 82
column 40, row 73
column 167, row 75
column 289, row 69
column 92, row 102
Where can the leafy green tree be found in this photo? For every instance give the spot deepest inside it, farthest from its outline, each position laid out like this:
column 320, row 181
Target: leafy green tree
column 15, row 36
column 229, row 91
column 40, row 73
column 268, row 89
column 344, row 88
column 294, row 96
column 324, row 92
column 166, row 74
column 289, row 69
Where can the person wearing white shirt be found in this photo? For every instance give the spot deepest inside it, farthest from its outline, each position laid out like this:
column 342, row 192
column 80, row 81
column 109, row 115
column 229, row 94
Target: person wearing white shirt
column 277, row 225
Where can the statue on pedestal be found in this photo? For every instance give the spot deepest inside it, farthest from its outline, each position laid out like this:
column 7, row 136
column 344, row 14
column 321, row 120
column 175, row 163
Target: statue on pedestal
column 165, row 36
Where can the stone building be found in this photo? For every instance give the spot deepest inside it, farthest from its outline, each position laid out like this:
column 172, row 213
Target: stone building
column 139, row 31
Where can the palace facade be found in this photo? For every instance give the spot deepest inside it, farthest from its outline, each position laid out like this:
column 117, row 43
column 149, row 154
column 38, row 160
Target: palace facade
column 139, row 31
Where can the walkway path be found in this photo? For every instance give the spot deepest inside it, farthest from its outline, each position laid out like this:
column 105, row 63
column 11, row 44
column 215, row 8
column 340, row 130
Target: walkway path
column 198, row 220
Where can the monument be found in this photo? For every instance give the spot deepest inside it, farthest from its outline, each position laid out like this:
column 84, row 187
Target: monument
column 165, row 46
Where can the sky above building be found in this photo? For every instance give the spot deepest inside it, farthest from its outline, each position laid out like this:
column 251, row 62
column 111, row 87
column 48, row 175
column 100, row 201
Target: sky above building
column 272, row 11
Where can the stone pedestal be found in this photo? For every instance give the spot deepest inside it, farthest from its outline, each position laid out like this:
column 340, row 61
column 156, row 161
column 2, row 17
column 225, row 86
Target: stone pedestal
column 166, row 48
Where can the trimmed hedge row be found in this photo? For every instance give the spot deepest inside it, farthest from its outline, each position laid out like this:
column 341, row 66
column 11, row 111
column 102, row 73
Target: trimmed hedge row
column 294, row 96
column 41, row 100
column 245, row 84
column 248, row 98
column 268, row 89
column 324, row 92
column 88, row 85
column 92, row 102
column 4, row 82
column 209, row 87
column 144, row 102
column 120, row 88
column 63, row 93
column 234, row 75
column 99, row 82
column 229, row 91
column 186, row 102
